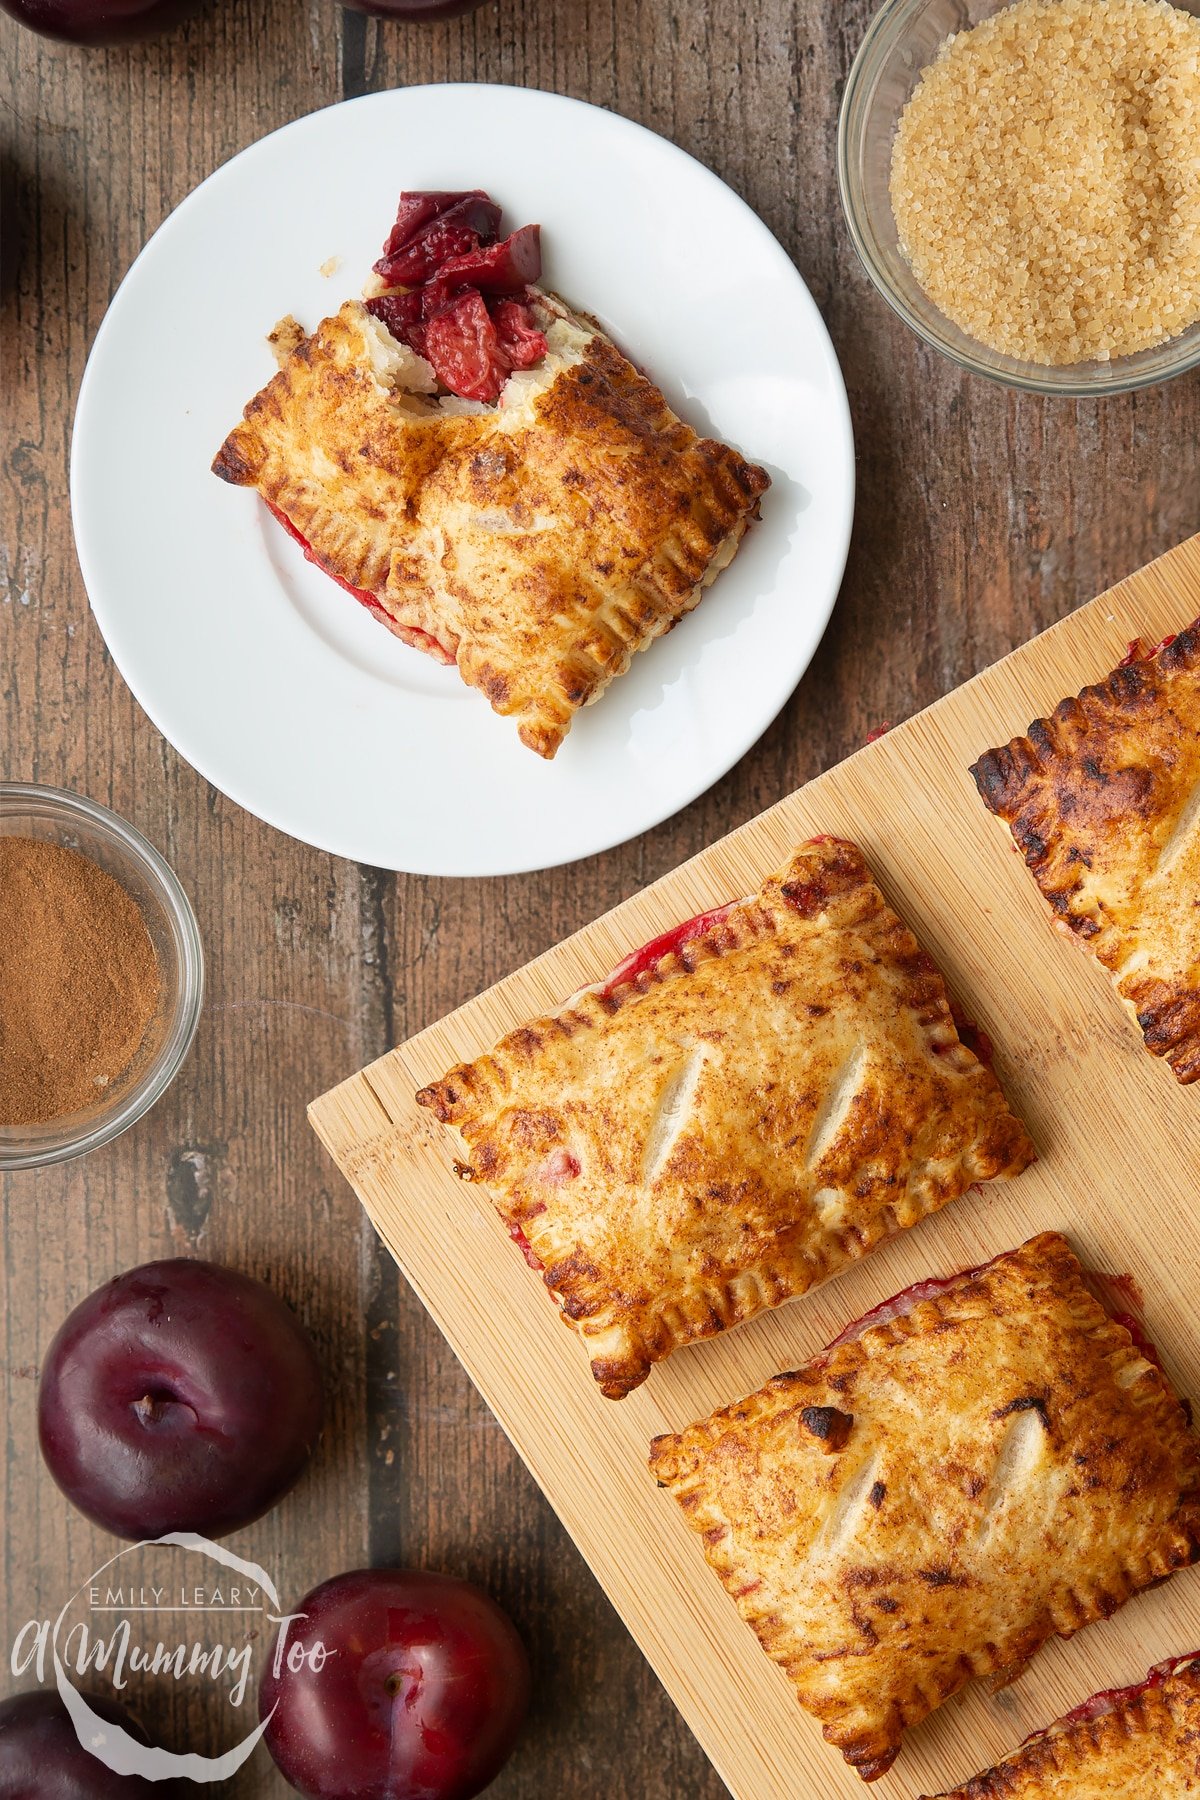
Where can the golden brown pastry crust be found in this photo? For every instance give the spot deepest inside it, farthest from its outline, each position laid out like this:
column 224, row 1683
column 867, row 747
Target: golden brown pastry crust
column 542, row 544
column 1014, row 1468
column 1146, row 1748
column 1103, row 799
column 738, row 1122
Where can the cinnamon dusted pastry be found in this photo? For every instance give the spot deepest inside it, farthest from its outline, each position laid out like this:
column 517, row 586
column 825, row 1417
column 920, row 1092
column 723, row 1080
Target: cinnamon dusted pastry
column 740, row 1110
column 537, row 543
column 1136, row 1743
column 1103, row 800
column 980, row 1465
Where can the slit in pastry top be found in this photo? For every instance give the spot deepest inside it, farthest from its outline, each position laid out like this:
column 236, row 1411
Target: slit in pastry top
column 1029, row 1469
column 739, row 1117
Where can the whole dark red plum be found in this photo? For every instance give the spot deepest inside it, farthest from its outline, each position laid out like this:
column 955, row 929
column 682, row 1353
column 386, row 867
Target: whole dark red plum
column 397, row 1684
column 100, row 21
column 180, row 1397
column 41, row 1757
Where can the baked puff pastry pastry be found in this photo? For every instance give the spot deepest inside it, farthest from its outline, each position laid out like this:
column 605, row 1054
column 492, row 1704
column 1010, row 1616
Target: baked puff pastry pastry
column 1137, row 1743
column 991, row 1462
column 537, row 544
column 742, row 1109
column 1103, row 800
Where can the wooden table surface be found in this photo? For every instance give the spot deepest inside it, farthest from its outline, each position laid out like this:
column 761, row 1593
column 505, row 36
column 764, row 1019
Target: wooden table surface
column 982, row 517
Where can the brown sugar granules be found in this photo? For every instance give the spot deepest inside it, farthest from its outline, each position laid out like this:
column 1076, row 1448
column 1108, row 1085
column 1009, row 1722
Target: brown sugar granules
column 1046, row 178
column 78, row 981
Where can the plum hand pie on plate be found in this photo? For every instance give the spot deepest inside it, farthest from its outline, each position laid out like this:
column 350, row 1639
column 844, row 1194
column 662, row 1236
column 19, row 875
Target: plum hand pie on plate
column 740, row 1110
column 984, row 1463
column 484, row 469
column 1135, row 1743
column 1103, row 800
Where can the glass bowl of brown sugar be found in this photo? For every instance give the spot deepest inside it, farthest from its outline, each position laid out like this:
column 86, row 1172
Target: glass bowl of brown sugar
column 1018, row 180
column 102, row 973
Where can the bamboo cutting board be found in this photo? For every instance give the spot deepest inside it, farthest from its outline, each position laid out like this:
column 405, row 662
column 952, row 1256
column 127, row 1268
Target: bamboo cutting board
column 1118, row 1169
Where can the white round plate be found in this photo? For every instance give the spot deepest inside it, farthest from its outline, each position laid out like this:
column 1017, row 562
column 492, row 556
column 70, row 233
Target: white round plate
column 274, row 684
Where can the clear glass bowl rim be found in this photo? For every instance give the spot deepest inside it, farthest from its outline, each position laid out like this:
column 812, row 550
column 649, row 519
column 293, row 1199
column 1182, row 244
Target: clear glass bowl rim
column 48, row 1146
column 887, row 29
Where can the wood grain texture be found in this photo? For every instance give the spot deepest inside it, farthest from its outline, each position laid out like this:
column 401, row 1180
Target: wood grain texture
column 982, row 517
column 1072, row 1064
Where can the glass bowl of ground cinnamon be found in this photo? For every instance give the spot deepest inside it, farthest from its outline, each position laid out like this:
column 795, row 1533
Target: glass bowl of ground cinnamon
column 1022, row 184
column 101, row 973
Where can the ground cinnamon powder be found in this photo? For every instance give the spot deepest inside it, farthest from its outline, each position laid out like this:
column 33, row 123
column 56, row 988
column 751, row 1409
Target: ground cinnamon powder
column 78, row 981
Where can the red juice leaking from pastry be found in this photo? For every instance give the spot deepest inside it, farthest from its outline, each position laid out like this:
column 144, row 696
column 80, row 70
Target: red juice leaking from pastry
column 1138, row 652
column 899, row 1305
column 410, row 633
column 666, row 944
column 1122, row 1300
column 310, row 555
column 525, row 1247
column 672, row 941
column 1109, row 1290
column 1108, row 1699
